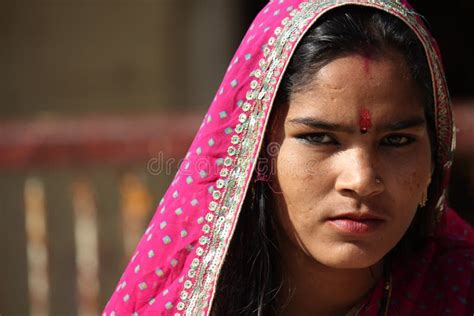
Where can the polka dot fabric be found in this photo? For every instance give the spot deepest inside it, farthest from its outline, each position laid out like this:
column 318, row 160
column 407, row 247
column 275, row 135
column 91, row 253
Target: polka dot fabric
column 176, row 264
column 439, row 280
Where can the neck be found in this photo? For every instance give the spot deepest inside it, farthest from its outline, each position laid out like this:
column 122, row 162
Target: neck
column 312, row 288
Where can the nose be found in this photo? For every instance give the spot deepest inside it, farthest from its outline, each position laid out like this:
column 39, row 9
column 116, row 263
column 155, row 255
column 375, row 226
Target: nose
column 358, row 174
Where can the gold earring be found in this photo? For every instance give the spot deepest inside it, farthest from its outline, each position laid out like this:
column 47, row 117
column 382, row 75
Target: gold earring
column 424, row 195
column 424, row 198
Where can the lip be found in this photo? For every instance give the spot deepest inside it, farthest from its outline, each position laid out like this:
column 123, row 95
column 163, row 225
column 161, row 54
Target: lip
column 358, row 216
column 357, row 223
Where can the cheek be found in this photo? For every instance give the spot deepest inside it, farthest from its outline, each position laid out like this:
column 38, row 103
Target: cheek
column 301, row 185
column 410, row 176
column 296, row 172
column 289, row 178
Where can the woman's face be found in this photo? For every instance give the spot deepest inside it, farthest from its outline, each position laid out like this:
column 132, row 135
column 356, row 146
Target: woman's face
column 354, row 160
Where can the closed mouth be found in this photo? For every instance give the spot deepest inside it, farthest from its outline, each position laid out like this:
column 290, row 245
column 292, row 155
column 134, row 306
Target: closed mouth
column 356, row 223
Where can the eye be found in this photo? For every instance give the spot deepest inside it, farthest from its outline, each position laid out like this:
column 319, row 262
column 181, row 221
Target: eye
column 397, row 140
column 318, row 139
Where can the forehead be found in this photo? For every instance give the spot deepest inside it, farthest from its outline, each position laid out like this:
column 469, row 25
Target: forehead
column 345, row 86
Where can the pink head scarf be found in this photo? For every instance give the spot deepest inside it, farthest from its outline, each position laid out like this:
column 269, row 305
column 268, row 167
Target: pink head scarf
column 176, row 264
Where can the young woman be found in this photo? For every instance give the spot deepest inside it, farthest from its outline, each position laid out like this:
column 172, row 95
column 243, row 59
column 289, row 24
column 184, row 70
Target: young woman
column 317, row 182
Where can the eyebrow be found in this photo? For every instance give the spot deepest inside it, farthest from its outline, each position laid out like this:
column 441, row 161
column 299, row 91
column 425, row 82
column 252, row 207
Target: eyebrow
column 414, row 122
column 321, row 124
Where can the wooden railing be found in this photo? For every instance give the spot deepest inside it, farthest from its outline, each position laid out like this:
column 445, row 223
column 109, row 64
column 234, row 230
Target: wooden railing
column 77, row 193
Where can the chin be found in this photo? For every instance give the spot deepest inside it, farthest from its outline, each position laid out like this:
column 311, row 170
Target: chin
column 349, row 256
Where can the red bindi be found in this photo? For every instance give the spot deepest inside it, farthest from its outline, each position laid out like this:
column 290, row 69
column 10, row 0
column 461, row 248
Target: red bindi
column 365, row 121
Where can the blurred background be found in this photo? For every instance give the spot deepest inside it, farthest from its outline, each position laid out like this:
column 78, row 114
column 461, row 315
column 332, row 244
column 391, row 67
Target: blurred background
column 95, row 96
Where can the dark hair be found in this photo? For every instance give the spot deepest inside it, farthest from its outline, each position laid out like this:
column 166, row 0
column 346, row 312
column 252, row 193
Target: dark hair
column 251, row 277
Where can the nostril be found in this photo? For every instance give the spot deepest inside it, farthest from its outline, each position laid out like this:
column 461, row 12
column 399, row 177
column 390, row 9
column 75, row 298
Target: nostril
column 361, row 182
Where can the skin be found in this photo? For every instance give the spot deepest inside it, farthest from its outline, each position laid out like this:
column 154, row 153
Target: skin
column 326, row 167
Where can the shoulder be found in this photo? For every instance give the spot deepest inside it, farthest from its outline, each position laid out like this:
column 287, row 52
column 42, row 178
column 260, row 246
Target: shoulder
column 451, row 269
column 454, row 228
column 438, row 280
column 450, row 277
column 453, row 243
